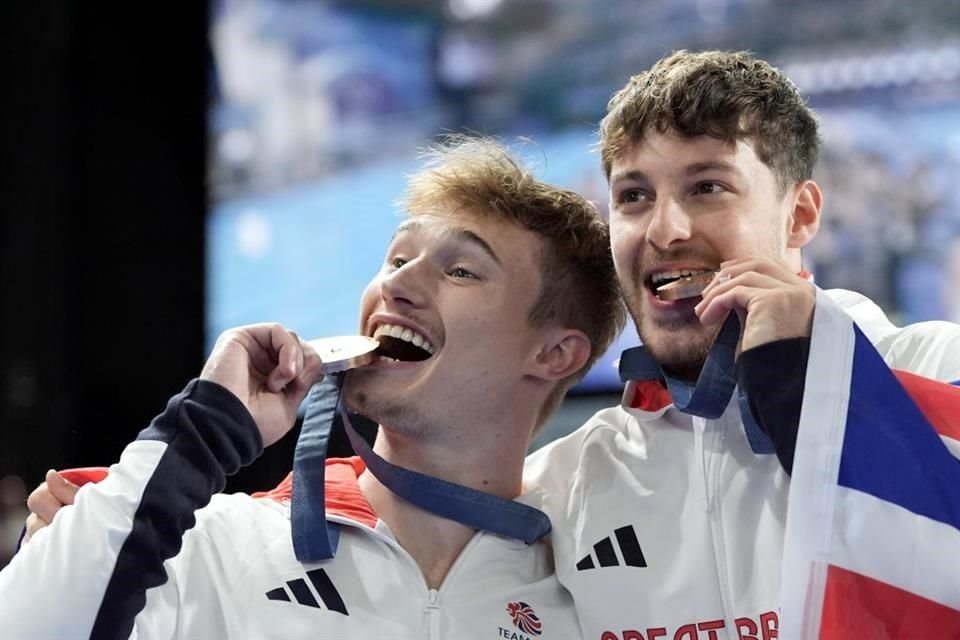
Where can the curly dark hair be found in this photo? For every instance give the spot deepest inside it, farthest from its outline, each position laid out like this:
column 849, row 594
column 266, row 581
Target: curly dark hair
column 727, row 95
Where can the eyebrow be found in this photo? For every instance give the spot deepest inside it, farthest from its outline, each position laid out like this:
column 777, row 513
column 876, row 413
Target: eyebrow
column 406, row 226
column 711, row 165
column 465, row 235
column 635, row 175
column 458, row 234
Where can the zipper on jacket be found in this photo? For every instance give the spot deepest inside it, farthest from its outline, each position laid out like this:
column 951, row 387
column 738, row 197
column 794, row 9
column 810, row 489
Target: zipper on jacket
column 431, row 608
column 709, row 459
column 700, row 455
column 432, row 611
column 715, row 510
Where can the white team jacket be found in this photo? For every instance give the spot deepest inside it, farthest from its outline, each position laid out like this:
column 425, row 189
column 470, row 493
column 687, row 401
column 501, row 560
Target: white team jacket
column 236, row 575
column 667, row 526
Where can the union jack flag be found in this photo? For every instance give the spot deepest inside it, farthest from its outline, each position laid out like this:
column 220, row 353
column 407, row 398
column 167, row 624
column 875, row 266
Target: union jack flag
column 525, row 618
column 872, row 546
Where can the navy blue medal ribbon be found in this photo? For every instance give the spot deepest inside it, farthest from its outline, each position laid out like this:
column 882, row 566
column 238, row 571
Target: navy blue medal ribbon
column 709, row 397
column 711, row 394
column 315, row 539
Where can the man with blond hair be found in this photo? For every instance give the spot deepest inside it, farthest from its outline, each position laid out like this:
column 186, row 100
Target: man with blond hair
column 496, row 294
column 670, row 511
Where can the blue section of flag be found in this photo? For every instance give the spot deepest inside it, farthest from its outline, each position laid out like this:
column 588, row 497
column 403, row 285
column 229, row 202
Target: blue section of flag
column 890, row 450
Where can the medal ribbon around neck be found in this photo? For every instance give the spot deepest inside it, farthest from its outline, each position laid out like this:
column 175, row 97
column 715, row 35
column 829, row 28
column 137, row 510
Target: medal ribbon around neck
column 315, row 539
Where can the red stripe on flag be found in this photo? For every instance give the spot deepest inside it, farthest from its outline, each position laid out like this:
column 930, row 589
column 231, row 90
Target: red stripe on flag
column 855, row 606
column 939, row 402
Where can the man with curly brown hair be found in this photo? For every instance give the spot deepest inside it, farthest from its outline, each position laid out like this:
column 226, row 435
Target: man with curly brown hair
column 670, row 511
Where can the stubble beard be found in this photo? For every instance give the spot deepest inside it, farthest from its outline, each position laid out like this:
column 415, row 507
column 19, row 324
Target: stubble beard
column 396, row 415
column 679, row 344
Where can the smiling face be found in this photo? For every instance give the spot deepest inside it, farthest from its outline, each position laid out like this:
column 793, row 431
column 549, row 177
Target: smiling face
column 462, row 287
column 682, row 205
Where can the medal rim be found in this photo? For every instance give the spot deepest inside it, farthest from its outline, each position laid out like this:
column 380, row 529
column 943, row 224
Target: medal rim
column 344, row 352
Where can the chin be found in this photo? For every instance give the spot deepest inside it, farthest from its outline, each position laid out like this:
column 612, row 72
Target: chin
column 684, row 362
column 398, row 415
column 680, row 349
column 357, row 396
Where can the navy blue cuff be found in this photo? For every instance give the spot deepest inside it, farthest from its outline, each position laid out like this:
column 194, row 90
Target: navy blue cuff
column 224, row 423
column 213, row 417
column 772, row 375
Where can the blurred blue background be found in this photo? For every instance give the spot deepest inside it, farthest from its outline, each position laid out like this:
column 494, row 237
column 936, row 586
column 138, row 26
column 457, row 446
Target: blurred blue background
column 319, row 108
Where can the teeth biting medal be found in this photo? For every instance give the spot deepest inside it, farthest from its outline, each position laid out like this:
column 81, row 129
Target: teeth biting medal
column 340, row 353
column 687, row 286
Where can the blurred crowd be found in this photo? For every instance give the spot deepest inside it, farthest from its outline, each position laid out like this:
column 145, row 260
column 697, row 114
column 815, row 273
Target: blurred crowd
column 891, row 231
column 892, row 223
column 307, row 90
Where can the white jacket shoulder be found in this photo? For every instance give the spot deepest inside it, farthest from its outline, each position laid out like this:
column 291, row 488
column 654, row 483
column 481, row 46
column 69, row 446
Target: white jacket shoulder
column 930, row 349
column 551, row 469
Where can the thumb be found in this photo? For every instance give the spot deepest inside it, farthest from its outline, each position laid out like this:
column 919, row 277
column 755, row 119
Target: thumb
column 311, row 370
column 61, row 488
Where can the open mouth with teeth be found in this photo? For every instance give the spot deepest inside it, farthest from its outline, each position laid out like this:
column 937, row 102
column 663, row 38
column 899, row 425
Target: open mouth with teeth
column 402, row 343
column 676, row 285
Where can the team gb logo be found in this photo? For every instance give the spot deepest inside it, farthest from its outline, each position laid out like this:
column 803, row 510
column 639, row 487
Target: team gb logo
column 525, row 618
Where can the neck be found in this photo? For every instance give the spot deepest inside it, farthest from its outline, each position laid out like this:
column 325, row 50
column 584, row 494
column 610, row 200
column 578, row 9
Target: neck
column 435, row 542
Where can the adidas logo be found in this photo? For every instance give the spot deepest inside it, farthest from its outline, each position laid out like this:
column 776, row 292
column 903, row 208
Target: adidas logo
column 323, row 586
column 606, row 554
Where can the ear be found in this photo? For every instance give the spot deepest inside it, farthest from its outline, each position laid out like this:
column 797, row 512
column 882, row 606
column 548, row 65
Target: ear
column 804, row 220
column 562, row 353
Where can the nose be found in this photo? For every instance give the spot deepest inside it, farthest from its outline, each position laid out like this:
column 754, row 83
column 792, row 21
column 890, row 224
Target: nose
column 408, row 284
column 669, row 223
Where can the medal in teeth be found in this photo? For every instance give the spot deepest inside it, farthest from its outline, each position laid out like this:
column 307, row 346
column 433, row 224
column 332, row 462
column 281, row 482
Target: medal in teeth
column 340, row 353
column 682, row 284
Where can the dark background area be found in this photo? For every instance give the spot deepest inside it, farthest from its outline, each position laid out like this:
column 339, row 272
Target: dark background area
column 101, row 246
